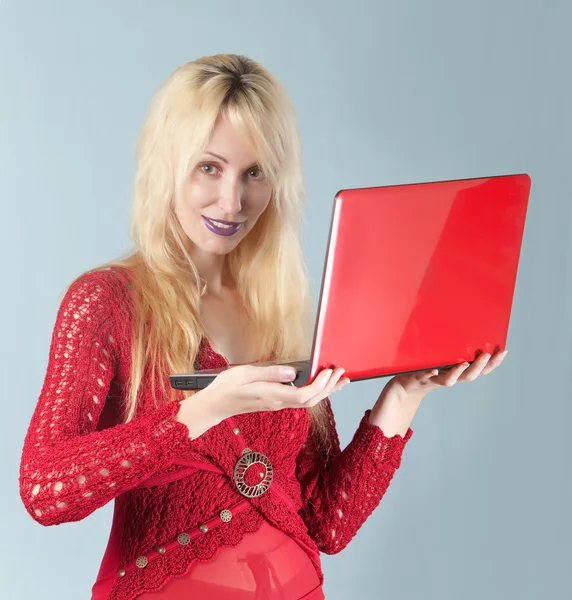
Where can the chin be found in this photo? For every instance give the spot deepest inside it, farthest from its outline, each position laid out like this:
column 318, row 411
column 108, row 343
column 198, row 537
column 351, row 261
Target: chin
column 221, row 247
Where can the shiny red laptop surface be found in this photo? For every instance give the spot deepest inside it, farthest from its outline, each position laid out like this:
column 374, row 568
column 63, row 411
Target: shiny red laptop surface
column 419, row 276
column 416, row 276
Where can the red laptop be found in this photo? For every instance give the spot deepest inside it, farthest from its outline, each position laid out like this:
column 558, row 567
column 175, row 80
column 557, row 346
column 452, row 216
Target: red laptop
column 416, row 277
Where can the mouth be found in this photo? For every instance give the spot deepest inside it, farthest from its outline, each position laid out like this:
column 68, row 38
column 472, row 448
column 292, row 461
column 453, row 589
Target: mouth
column 220, row 227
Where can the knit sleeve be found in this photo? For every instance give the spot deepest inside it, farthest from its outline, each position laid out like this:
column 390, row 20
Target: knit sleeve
column 341, row 489
column 69, row 468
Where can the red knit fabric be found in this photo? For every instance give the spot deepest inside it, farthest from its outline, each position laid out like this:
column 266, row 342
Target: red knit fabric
column 78, row 455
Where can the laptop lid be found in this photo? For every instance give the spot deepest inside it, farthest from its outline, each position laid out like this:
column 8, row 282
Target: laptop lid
column 419, row 276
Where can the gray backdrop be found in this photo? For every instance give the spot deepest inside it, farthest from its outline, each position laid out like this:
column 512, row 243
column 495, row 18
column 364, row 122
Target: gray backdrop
column 386, row 92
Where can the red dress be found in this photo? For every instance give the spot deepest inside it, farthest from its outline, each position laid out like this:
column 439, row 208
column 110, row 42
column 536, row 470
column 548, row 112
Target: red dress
column 266, row 565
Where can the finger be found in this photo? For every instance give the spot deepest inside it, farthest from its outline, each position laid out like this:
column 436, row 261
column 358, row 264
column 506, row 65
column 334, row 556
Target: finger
column 495, row 361
column 341, row 384
column 317, row 386
column 424, row 376
column 476, row 368
column 334, row 379
column 332, row 383
column 326, row 393
column 311, row 394
column 450, row 378
column 275, row 373
column 280, row 393
column 285, row 396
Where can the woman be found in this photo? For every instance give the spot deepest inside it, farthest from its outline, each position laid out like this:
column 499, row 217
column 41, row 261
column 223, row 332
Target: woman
column 231, row 492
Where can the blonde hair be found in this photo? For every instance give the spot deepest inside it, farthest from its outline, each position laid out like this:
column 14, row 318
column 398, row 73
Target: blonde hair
column 267, row 267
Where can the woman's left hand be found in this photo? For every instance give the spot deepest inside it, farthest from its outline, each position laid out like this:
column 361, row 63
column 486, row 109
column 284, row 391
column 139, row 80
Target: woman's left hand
column 401, row 397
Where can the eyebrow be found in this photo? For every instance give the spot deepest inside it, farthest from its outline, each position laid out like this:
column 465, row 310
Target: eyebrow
column 224, row 160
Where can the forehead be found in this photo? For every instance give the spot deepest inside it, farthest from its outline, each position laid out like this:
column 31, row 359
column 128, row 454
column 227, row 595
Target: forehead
column 229, row 142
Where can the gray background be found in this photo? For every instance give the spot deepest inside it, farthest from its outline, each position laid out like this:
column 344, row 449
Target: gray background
column 386, row 92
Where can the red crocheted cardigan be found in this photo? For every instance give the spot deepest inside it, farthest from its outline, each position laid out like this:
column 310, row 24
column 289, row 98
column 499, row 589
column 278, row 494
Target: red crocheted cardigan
column 176, row 501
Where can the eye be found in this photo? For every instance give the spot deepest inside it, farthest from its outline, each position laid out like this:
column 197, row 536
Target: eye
column 255, row 173
column 208, row 169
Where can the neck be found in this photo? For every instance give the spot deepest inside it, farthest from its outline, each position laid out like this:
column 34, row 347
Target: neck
column 211, row 268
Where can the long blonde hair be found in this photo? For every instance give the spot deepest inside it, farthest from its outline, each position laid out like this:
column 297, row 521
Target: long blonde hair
column 267, row 267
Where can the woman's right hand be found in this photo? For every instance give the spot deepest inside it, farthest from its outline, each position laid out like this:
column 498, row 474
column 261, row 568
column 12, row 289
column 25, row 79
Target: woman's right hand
column 251, row 388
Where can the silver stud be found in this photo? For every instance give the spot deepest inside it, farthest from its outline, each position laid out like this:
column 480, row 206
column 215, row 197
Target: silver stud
column 203, row 528
column 161, row 549
column 235, row 430
column 183, row 538
column 121, row 572
column 225, row 515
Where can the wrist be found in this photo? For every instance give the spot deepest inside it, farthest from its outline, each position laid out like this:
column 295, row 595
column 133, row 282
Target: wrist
column 391, row 425
column 200, row 412
column 394, row 410
column 215, row 404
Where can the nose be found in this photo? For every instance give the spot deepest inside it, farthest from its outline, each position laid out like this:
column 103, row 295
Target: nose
column 231, row 195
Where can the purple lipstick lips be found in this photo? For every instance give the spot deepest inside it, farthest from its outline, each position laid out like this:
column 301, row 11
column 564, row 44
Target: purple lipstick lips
column 220, row 227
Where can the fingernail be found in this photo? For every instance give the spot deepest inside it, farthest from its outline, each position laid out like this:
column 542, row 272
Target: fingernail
column 289, row 373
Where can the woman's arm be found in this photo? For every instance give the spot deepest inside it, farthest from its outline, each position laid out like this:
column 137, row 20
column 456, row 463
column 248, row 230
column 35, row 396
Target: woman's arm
column 68, row 468
column 341, row 489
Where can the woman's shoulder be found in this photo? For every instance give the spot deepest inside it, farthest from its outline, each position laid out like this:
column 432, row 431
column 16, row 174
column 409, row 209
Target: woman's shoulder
column 109, row 276
column 103, row 289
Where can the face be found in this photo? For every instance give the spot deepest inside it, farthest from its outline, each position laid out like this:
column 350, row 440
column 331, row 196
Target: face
column 225, row 194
